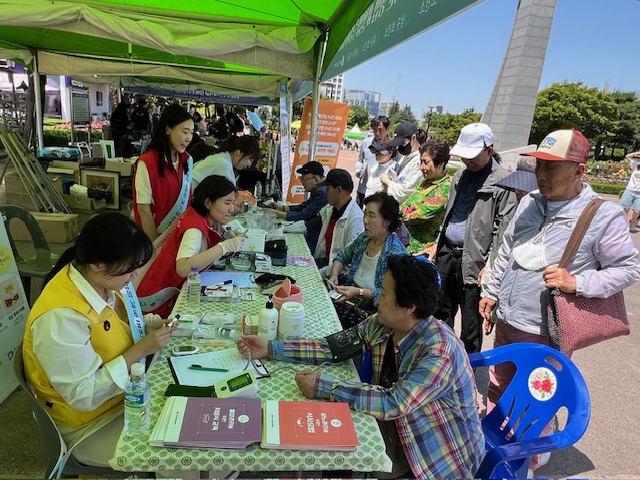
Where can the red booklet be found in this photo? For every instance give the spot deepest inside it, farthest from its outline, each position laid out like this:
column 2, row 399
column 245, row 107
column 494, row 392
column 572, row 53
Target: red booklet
column 216, row 423
column 308, row 426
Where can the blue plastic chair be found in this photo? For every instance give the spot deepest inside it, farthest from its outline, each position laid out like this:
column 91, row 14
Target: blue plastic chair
column 513, row 427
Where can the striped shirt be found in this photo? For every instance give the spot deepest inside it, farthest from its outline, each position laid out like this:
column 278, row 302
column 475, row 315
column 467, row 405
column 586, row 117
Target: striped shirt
column 432, row 403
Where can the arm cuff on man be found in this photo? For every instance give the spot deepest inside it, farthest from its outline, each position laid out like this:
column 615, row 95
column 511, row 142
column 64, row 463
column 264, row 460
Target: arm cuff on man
column 275, row 349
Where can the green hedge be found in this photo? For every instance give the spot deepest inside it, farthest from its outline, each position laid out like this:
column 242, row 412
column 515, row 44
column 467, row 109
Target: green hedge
column 608, row 188
column 60, row 137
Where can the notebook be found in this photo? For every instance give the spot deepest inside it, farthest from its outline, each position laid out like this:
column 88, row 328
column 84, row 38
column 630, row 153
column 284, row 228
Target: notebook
column 291, row 425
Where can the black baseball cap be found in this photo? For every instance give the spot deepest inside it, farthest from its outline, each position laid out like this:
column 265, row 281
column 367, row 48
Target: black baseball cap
column 383, row 146
column 339, row 178
column 312, row 167
column 403, row 131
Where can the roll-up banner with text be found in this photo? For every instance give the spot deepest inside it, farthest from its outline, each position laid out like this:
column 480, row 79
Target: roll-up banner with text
column 332, row 121
column 13, row 313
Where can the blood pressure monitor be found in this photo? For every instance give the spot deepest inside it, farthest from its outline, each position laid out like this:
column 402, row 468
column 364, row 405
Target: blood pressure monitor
column 243, row 384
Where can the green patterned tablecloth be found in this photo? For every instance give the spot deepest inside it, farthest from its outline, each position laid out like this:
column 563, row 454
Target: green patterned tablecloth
column 134, row 454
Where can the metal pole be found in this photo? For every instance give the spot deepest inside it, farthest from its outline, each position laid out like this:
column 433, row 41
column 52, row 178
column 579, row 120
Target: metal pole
column 315, row 99
column 36, row 86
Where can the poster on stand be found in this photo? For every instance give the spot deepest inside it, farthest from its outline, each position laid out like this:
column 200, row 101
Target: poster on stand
column 332, row 121
column 13, row 314
column 285, row 137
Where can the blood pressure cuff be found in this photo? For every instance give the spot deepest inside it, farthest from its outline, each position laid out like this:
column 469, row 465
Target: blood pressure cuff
column 345, row 344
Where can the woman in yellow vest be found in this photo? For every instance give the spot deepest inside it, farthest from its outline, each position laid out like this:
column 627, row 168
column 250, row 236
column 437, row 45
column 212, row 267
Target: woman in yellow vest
column 78, row 344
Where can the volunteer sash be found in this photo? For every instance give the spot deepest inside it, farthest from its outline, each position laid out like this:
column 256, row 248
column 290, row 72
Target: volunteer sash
column 182, row 202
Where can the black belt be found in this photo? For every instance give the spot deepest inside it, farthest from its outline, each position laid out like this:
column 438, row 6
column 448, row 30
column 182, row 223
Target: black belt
column 453, row 247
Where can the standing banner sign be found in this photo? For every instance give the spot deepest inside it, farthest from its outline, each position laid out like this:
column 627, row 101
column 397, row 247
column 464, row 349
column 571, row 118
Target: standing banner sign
column 285, row 137
column 14, row 310
column 332, row 122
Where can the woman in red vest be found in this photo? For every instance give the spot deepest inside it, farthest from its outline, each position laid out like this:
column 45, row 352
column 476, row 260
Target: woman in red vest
column 196, row 240
column 79, row 338
column 162, row 183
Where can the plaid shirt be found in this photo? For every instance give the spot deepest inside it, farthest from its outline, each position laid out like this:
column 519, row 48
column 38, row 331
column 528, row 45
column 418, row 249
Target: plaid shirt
column 432, row 403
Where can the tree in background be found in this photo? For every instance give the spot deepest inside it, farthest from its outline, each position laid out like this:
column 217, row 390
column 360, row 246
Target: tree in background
column 626, row 131
column 446, row 126
column 404, row 115
column 394, row 109
column 358, row 115
column 573, row 105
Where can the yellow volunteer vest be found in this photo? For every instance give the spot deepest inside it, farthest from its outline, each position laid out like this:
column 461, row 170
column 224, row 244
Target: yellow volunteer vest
column 109, row 343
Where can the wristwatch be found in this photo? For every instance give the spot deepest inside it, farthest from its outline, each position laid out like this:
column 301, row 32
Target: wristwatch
column 361, row 292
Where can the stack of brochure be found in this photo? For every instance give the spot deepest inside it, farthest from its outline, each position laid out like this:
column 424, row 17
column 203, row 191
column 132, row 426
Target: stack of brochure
column 308, row 426
column 204, row 422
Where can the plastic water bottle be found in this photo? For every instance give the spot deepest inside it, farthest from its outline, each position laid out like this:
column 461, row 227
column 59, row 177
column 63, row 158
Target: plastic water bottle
column 193, row 286
column 258, row 190
column 228, row 233
column 137, row 417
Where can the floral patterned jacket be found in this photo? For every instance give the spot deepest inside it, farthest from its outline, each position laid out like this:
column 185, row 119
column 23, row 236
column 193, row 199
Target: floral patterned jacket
column 423, row 212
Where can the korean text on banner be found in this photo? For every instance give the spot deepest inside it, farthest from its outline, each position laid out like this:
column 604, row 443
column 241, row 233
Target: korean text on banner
column 332, row 121
column 14, row 310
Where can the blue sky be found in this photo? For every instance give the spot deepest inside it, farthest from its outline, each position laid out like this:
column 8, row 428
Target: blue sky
column 455, row 64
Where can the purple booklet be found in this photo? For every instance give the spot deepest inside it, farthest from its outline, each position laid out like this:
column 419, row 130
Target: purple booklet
column 216, row 423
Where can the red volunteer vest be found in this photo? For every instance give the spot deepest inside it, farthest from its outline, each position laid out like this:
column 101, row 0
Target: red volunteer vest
column 162, row 273
column 164, row 190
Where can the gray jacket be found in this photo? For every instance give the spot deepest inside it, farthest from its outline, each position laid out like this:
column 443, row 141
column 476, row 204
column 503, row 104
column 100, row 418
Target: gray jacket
column 490, row 205
column 605, row 262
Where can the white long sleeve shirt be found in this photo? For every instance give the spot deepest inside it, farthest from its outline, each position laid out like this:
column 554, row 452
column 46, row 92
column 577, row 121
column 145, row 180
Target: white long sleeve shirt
column 62, row 343
column 408, row 178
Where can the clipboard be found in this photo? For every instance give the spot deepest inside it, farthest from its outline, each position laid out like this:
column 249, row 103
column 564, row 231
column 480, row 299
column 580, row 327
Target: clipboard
column 229, row 359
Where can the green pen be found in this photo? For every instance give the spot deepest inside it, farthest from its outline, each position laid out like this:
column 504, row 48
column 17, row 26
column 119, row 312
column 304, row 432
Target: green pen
column 207, row 369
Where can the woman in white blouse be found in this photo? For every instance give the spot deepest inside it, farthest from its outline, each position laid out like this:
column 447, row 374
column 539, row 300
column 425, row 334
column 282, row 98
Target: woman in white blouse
column 78, row 343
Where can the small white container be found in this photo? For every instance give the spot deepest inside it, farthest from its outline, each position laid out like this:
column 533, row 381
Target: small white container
column 291, row 321
column 255, row 240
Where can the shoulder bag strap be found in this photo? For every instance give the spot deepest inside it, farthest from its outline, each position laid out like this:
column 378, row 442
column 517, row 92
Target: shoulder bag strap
column 579, row 231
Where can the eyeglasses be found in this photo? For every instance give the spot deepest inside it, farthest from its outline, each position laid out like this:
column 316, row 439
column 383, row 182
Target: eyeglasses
column 378, row 152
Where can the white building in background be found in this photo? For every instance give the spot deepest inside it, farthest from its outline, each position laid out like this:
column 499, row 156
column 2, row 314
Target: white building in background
column 364, row 98
column 385, row 108
column 433, row 109
column 332, row 89
column 57, row 104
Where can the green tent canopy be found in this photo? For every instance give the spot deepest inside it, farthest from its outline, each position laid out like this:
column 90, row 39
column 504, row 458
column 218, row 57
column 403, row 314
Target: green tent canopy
column 355, row 133
column 242, row 45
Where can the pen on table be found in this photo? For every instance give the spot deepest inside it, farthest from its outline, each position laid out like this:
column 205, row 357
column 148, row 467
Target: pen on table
column 220, row 284
column 207, row 369
column 176, row 317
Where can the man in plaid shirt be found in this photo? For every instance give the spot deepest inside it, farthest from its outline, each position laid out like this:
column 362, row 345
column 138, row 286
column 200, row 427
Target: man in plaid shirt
column 423, row 389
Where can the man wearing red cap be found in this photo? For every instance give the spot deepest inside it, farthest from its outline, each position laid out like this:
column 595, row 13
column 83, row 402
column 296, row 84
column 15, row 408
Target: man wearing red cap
column 526, row 266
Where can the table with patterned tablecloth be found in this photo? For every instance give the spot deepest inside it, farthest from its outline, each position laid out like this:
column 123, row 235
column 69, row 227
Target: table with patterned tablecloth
column 134, row 454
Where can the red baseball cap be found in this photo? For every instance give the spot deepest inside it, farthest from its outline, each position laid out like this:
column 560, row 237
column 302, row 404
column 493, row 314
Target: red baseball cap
column 563, row 145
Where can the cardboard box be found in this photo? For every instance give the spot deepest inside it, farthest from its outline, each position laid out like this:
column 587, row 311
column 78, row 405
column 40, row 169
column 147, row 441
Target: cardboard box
column 57, row 227
column 84, row 205
column 119, row 165
column 60, row 169
column 16, row 193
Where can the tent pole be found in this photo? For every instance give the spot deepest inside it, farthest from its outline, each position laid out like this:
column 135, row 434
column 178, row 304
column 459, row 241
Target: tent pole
column 315, row 98
column 36, row 87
